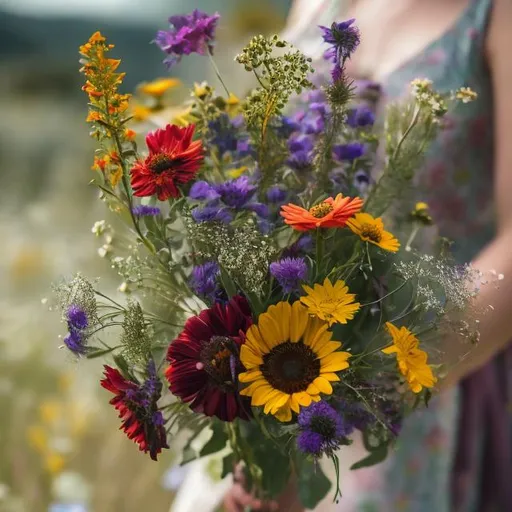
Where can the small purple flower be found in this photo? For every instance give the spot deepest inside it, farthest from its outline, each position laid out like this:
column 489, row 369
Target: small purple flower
column 204, row 279
column 344, row 38
column 190, row 33
column 314, row 126
column 235, row 193
column 360, row 116
column 289, row 272
column 301, row 155
column 144, row 210
column 320, row 107
column 321, row 429
column 287, row 127
column 244, row 148
column 315, row 96
column 300, row 143
column 203, row 191
column 77, row 318
column 276, row 194
column 260, row 209
column 303, row 245
column 349, row 151
column 225, row 134
column 212, row 214
column 361, row 182
column 75, row 342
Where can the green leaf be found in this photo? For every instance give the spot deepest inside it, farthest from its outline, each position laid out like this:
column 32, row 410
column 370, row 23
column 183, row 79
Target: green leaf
column 98, row 352
column 228, row 463
column 228, row 283
column 313, row 484
column 122, row 366
column 217, row 442
column 375, row 457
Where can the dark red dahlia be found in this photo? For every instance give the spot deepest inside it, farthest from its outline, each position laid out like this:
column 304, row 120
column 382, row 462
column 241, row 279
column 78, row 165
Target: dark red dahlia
column 204, row 362
column 137, row 406
column 173, row 159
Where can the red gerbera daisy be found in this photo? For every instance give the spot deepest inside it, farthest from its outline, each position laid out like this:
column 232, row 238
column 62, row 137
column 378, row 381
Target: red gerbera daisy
column 204, row 362
column 173, row 159
column 137, row 406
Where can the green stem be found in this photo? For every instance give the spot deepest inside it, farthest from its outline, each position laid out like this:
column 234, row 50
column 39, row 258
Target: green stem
column 217, row 72
column 411, row 238
column 319, row 250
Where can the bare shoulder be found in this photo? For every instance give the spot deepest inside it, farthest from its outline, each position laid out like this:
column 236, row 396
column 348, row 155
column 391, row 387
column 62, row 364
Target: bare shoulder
column 499, row 41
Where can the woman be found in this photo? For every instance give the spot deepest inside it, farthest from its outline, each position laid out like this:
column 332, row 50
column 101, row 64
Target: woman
column 456, row 455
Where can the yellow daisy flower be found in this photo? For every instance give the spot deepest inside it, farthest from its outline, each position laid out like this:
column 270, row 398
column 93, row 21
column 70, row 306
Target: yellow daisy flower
column 331, row 303
column 412, row 361
column 421, row 214
column 371, row 230
column 236, row 173
column 290, row 359
column 158, row 87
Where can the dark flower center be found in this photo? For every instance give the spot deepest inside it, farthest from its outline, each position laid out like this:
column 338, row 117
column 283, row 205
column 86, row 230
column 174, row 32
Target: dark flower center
column 216, row 357
column 372, row 232
column 162, row 162
column 323, row 426
column 321, row 210
column 290, row 367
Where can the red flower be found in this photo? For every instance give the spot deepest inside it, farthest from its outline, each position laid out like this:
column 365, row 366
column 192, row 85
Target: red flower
column 204, row 362
column 173, row 159
column 137, row 406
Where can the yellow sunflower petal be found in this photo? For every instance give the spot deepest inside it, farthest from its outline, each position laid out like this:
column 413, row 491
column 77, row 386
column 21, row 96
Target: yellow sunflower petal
column 323, row 385
column 249, row 358
column 389, row 350
column 278, row 402
column 251, row 388
column 303, row 398
column 298, row 321
column 262, row 394
column 250, row 376
column 313, row 389
column 270, row 328
column 334, row 362
column 256, row 342
column 294, row 404
column 330, row 376
column 284, row 414
column 327, row 348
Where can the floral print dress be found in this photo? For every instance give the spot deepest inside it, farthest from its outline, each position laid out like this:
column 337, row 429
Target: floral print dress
column 439, row 457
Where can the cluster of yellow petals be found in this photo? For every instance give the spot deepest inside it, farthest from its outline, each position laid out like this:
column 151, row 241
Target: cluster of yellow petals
column 371, row 230
column 411, row 360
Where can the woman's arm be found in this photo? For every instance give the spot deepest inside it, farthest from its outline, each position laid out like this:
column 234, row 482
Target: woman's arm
column 496, row 325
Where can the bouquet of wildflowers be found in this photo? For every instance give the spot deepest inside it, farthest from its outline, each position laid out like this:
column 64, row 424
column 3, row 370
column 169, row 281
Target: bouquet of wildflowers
column 268, row 302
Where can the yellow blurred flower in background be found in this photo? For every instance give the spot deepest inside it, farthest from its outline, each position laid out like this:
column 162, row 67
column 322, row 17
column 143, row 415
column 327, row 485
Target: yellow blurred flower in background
column 159, row 87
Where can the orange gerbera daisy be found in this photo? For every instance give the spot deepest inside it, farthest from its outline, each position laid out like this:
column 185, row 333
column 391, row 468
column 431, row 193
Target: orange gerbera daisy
column 331, row 213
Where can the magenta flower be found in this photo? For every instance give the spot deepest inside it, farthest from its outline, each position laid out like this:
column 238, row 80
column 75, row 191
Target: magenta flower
column 190, row 33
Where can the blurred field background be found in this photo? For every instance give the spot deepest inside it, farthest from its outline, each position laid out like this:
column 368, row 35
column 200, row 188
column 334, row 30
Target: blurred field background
column 60, row 448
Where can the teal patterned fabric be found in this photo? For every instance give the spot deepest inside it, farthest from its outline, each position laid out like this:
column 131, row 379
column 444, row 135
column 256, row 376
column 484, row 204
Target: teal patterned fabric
column 457, row 183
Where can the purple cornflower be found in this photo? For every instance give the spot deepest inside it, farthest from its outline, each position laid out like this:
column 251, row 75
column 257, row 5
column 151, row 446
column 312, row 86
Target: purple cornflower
column 360, row 116
column 301, row 154
column 361, row 182
column 236, row 193
column 190, row 33
column 321, row 429
column 303, row 245
column 314, row 126
column 203, row 191
column 212, row 214
column 287, row 127
column 356, row 414
column 344, row 39
column 204, row 279
column 224, row 134
column 244, row 148
column 75, row 342
column 349, row 151
column 144, row 210
column 77, row 318
column 276, row 194
column 289, row 272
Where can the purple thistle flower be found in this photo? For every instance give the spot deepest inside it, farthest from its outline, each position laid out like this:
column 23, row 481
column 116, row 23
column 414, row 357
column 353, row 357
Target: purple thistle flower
column 144, row 210
column 212, row 214
column 203, row 191
column 360, row 116
column 75, row 342
column 289, row 272
column 190, row 33
column 204, row 279
column 344, row 38
column 77, row 318
column 276, row 194
column 349, row 151
column 322, row 429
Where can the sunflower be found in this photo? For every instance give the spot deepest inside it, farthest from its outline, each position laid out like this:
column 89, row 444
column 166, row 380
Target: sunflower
column 331, row 213
column 290, row 359
column 371, row 230
column 331, row 303
column 412, row 361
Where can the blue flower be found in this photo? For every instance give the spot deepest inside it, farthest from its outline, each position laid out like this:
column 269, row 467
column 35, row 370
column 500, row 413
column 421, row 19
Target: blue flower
column 344, row 38
column 244, row 148
column 349, row 151
column 289, row 272
column 303, row 245
column 235, row 193
column 287, row 127
column 260, row 209
column 276, row 194
column 77, row 318
column 225, row 134
column 321, row 429
column 75, row 342
column 190, row 33
column 314, row 126
column 144, row 210
column 360, row 116
column 300, row 143
column 301, row 153
column 203, row 191
column 212, row 214
column 204, row 279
